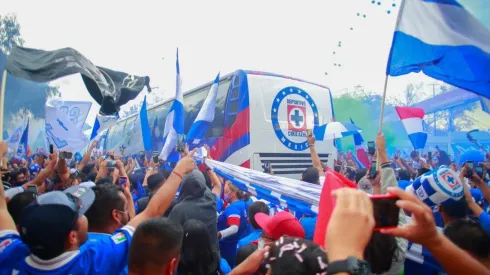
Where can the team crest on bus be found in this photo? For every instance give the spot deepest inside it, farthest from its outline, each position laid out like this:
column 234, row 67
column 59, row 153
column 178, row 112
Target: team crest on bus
column 293, row 111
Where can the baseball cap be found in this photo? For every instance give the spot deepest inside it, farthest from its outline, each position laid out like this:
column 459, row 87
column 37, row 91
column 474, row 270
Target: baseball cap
column 279, row 225
column 47, row 221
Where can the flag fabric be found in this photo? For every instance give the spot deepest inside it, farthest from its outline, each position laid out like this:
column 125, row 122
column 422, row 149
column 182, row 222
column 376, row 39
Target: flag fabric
column 204, row 117
column 23, row 148
column 360, row 148
column 124, row 87
column 335, row 129
column 444, row 41
column 298, row 196
column 174, row 125
column 64, row 124
column 111, row 89
column 102, row 123
column 132, row 141
column 412, row 121
column 14, row 139
column 333, row 181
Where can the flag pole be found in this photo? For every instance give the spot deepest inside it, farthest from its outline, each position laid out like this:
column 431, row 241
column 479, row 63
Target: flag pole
column 383, row 104
column 2, row 99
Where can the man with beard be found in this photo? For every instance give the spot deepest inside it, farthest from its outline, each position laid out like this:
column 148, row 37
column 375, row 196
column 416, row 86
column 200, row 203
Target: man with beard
column 53, row 231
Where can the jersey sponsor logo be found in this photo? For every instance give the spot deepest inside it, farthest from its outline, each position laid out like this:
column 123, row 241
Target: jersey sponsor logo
column 4, row 244
column 295, row 108
column 119, row 238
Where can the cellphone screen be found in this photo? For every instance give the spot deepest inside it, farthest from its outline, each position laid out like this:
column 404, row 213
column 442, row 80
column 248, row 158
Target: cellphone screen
column 123, row 181
column 309, row 132
column 470, row 164
column 371, row 148
column 31, row 188
column 385, row 212
column 372, row 171
column 51, row 148
column 479, row 170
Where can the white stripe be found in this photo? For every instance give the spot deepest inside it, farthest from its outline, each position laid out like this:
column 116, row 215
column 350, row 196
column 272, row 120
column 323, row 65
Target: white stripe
column 442, row 24
column 129, row 229
column 234, row 216
column 4, row 233
column 52, row 264
column 413, row 125
column 239, row 156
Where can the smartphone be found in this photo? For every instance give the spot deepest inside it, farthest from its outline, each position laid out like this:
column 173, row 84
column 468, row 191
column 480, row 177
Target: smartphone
column 372, row 170
column 122, row 181
column 51, row 148
column 66, row 155
column 111, row 163
column 371, row 148
column 142, row 155
column 385, row 211
column 32, row 188
column 469, row 168
column 111, row 156
column 155, row 157
column 429, row 156
column 309, row 132
column 180, row 143
column 479, row 172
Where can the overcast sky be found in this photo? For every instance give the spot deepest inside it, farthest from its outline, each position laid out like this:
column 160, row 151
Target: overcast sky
column 295, row 38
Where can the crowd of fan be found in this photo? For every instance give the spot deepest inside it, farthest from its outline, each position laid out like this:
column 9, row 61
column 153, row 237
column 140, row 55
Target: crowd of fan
column 90, row 217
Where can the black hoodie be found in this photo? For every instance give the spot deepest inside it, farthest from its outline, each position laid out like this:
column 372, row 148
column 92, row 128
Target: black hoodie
column 196, row 202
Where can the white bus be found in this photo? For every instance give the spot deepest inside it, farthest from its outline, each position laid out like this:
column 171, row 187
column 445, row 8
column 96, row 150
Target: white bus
column 260, row 117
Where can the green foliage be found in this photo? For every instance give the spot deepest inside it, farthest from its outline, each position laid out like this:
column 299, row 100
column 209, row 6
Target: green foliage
column 9, row 33
column 364, row 109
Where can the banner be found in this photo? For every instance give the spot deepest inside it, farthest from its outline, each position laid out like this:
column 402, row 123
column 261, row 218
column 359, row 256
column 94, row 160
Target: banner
column 109, row 88
column 64, row 124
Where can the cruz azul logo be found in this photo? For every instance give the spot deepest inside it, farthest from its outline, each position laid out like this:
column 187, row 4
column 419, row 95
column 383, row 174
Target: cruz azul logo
column 293, row 111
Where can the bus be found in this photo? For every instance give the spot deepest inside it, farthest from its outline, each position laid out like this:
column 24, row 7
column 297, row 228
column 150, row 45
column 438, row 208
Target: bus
column 259, row 118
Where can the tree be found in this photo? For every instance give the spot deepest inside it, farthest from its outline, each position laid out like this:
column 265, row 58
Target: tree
column 9, row 33
column 413, row 94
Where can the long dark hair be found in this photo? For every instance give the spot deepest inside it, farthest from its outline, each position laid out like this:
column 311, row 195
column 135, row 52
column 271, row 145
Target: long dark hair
column 198, row 255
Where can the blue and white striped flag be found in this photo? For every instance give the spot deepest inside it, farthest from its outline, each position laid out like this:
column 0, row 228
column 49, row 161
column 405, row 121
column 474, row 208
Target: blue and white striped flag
column 300, row 197
column 174, row 125
column 204, row 117
column 131, row 142
column 445, row 41
column 102, row 123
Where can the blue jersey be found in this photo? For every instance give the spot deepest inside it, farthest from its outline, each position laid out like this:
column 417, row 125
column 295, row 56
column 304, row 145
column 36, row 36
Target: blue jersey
column 252, row 237
column 104, row 256
column 420, row 261
column 234, row 214
column 95, row 237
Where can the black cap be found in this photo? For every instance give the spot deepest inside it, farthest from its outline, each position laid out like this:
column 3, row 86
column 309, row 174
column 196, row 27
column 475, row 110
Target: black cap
column 311, row 175
column 45, row 223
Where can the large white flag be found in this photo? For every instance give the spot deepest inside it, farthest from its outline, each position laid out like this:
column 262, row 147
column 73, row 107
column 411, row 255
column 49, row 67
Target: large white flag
column 64, row 124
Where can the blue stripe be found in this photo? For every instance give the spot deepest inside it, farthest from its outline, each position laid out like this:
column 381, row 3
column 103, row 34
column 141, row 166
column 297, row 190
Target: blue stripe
column 178, row 122
column 95, row 129
column 319, row 132
column 198, row 129
column 145, row 127
column 447, row 2
column 418, row 140
column 235, row 146
column 465, row 67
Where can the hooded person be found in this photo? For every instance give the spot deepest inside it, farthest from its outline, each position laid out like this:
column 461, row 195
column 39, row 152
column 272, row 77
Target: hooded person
column 196, row 201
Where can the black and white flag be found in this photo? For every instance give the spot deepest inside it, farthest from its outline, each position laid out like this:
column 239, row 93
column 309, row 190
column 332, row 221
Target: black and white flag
column 111, row 89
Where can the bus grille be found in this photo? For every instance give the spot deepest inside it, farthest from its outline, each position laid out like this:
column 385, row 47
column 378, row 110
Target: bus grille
column 290, row 163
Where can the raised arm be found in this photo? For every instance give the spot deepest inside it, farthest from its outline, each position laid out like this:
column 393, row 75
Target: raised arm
column 422, row 230
column 162, row 199
column 315, row 159
column 86, row 157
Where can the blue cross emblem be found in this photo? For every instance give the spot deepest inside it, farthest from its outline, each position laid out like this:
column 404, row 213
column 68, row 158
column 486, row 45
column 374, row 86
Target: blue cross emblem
column 296, row 118
column 450, row 179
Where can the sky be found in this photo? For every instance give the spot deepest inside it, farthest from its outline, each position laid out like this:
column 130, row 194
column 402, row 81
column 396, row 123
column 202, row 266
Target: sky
column 295, row 38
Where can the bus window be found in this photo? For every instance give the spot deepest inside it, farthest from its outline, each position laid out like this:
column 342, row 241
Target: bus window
column 116, row 135
column 192, row 105
column 217, row 126
column 233, row 103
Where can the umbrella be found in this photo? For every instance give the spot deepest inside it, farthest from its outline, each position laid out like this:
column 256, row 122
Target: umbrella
column 335, row 130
